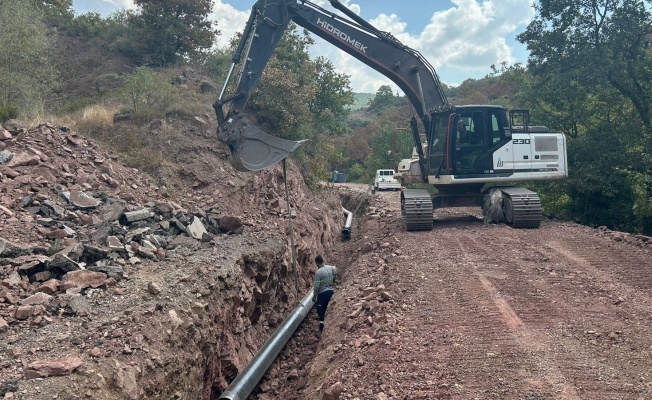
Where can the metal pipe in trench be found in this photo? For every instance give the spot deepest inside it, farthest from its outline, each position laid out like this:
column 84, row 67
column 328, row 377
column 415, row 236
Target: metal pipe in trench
column 247, row 380
column 346, row 230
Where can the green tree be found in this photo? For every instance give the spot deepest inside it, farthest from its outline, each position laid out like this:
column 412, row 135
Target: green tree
column 173, row 30
column 282, row 97
column 383, row 99
column 589, row 76
column 27, row 66
column 217, row 63
column 333, row 91
column 598, row 186
column 298, row 98
column 597, row 43
column 58, row 6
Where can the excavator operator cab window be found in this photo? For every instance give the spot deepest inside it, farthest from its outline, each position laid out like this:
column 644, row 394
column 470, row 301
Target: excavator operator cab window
column 470, row 129
column 438, row 144
column 496, row 129
column 469, row 140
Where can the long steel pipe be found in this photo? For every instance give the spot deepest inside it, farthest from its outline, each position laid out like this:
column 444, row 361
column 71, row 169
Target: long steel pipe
column 247, row 380
column 346, row 230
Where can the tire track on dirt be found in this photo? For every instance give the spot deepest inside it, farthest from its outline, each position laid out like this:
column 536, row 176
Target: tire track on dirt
column 582, row 329
column 477, row 353
column 531, row 353
column 616, row 282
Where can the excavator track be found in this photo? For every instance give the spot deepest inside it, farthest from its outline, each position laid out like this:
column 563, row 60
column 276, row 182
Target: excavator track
column 416, row 210
column 522, row 207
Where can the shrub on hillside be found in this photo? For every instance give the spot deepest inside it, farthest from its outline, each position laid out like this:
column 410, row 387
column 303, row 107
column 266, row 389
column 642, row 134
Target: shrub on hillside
column 8, row 111
column 147, row 93
column 27, row 60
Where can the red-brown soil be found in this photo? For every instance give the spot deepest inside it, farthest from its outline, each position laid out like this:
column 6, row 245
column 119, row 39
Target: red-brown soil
column 477, row 311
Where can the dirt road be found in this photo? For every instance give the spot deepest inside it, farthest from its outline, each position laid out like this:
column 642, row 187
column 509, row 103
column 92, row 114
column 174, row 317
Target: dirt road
column 476, row 311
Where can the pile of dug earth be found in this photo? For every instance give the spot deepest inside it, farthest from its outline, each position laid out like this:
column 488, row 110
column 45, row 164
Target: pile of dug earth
column 103, row 274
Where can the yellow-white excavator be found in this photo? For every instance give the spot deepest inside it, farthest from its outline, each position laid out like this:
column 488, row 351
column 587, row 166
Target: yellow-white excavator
column 458, row 149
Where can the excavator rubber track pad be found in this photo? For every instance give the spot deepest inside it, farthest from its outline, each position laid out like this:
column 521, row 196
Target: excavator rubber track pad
column 525, row 207
column 416, row 210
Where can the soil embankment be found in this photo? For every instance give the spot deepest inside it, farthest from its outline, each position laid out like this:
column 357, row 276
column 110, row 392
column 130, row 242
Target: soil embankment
column 115, row 286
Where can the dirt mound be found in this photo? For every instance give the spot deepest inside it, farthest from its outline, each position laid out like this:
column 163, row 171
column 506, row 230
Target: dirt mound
column 115, row 287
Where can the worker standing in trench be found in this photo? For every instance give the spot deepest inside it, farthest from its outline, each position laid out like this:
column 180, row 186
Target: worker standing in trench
column 324, row 289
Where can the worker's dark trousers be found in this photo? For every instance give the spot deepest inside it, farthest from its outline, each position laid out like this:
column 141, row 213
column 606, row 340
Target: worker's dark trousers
column 322, row 303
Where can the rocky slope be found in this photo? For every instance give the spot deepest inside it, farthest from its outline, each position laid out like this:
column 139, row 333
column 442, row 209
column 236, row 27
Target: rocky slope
column 114, row 287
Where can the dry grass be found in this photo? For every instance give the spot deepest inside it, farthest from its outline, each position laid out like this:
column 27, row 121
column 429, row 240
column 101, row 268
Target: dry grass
column 36, row 120
column 99, row 114
column 94, row 118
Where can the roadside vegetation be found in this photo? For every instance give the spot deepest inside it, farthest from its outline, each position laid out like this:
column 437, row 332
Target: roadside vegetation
column 588, row 76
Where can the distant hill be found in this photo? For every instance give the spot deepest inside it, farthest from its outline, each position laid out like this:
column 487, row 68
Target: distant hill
column 361, row 100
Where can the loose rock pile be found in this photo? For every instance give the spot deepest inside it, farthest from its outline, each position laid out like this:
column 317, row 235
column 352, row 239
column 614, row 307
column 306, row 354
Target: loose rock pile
column 87, row 220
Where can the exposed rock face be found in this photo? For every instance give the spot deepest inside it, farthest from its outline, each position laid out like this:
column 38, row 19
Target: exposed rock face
column 98, row 262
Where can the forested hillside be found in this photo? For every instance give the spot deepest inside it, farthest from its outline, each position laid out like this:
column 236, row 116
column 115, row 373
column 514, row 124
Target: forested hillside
column 361, row 100
column 588, row 76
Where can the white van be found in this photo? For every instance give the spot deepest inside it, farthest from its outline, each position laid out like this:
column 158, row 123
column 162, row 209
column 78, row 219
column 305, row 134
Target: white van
column 385, row 180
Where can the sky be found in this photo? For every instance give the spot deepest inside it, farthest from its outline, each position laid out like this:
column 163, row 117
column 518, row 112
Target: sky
column 460, row 38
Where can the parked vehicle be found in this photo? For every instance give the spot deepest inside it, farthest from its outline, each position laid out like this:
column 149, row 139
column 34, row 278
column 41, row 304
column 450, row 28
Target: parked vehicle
column 339, row 177
column 385, row 180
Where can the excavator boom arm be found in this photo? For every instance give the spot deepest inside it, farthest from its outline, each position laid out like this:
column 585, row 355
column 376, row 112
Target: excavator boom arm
column 379, row 50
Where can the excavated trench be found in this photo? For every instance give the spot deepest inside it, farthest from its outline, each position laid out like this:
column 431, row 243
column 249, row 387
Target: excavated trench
column 246, row 322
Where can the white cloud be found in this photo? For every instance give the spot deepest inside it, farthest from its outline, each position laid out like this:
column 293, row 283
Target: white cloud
column 460, row 42
column 126, row 4
column 471, row 35
column 347, row 3
column 229, row 21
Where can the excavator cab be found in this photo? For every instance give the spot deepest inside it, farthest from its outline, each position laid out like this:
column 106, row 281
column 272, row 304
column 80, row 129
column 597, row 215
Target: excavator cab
column 474, row 134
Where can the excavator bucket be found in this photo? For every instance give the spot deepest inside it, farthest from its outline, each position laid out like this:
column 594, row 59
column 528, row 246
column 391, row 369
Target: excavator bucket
column 251, row 148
